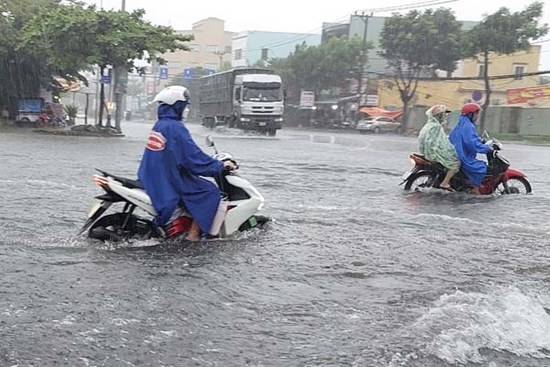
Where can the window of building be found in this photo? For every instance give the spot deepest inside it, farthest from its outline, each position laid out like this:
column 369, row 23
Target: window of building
column 212, row 48
column 238, row 54
column 264, row 53
column 481, row 70
column 519, row 70
column 227, row 49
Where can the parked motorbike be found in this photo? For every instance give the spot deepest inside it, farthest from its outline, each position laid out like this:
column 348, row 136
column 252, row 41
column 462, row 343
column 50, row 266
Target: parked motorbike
column 243, row 202
column 500, row 178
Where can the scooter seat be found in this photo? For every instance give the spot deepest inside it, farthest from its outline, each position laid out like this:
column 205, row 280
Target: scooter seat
column 131, row 184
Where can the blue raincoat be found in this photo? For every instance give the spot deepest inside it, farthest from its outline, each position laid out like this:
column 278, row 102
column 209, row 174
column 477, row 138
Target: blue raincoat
column 170, row 170
column 467, row 144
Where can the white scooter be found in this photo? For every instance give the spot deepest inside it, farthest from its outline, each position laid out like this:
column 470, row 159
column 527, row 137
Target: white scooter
column 242, row 199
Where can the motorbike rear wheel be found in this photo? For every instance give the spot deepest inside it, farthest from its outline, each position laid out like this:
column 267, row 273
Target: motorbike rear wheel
column 515, row 185
column 419, row 181
column 122, row 227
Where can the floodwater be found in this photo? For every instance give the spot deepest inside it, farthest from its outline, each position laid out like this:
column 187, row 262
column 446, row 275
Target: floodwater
column 351, row 272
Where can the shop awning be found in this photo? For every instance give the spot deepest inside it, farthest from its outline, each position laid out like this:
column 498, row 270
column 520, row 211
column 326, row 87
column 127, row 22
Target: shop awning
column 66, row 85
column 377, row 111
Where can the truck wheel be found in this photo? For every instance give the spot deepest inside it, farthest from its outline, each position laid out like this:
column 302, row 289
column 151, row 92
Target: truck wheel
column 272, row 132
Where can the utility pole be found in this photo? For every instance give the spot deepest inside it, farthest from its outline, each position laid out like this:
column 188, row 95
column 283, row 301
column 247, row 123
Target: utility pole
column 121, row 80
column 365, row 18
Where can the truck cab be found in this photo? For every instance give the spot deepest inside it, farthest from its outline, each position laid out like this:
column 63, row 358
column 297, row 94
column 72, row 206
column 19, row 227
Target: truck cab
column 258, row 102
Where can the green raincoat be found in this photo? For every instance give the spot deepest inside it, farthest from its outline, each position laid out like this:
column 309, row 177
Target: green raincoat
column 435, row 145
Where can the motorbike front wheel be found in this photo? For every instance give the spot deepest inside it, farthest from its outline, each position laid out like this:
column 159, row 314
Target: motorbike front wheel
column 121, row 227
column 515, row 185
column 419, row 181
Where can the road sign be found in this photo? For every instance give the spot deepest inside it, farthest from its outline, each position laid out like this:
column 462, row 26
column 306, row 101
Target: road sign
column 307, row 99
column 105, row 79
column 163, row 73
column 188, row 74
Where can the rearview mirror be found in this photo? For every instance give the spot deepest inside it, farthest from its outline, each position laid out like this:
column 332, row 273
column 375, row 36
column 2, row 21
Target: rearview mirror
column 209, row 141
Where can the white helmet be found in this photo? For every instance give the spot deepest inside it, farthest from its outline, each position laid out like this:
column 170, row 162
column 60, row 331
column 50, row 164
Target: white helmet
column 172, row 94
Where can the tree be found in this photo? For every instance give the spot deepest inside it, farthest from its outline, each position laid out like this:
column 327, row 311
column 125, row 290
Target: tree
column 418, row 43
column 104, row 38
column 126, row 37
column 502, row 33
column 322, row 67
column 22, row 72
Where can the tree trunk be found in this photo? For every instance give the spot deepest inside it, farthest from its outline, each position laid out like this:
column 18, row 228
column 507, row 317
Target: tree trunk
column 487, row 101
column 407, row 93
column 405, row 117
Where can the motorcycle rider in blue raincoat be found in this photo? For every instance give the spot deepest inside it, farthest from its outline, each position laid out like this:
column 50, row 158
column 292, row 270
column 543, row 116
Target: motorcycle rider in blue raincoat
column 173, row 169
column 468, row 144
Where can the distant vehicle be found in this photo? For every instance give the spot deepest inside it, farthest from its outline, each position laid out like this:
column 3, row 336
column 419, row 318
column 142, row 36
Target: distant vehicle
column 378, row 124
column 29, row 111
column 247, row 98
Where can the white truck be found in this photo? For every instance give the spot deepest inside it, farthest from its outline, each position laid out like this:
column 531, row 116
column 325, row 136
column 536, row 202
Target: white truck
column 247, row 98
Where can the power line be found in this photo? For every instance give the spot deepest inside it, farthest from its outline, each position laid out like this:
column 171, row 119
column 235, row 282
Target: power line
column 407, row 6
column 376, row 10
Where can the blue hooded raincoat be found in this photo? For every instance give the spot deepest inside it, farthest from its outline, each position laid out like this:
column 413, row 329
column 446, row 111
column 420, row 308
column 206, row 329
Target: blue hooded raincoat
column 467, row 144
column 170, row 170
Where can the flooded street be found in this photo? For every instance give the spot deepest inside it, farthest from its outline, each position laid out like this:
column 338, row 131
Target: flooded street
column 351, row 272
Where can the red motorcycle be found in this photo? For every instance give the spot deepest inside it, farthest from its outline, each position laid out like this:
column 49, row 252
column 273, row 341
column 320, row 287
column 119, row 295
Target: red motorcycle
column 500, row 178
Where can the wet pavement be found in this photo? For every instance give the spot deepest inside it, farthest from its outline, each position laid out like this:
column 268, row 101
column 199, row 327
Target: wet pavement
column 351, row 272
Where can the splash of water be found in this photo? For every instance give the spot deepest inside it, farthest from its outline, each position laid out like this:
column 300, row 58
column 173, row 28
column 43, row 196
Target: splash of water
column 501, row 319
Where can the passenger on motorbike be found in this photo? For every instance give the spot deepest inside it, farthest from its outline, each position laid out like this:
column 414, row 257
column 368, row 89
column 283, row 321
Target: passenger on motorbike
column 468, row 144
column 171, row 167
column 435, row 145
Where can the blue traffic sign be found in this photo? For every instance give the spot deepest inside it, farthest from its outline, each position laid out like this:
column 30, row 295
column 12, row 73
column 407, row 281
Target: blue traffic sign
column 188, row 74
column 105, row 79
column 163, row 73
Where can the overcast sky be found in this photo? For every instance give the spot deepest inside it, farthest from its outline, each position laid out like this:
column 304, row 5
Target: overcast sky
column 301, row 16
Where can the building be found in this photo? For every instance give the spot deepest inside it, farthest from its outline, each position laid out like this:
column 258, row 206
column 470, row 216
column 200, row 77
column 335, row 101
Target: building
column 210, row 50
column 383, row 92
column 454, row 93
column 249, row 47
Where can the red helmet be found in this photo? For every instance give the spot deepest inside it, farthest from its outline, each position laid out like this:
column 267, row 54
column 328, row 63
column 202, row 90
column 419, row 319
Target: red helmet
column 470, row 108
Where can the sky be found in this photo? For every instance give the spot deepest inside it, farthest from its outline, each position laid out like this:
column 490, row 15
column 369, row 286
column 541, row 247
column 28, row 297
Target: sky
column 301, row 16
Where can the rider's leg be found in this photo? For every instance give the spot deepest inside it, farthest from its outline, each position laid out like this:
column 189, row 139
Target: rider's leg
column 194, row 233
column 446, row 183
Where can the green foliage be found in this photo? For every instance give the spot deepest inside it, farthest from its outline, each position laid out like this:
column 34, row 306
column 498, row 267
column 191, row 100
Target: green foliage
column 72, row 37
column 322, row 67
column 502, row 33
column 71, row 110
column 505, row 33
column 42, row 38
column 418, row 43
column 21, row 71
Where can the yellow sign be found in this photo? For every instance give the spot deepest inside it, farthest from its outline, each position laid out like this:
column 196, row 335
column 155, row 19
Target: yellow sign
column 522, row 95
